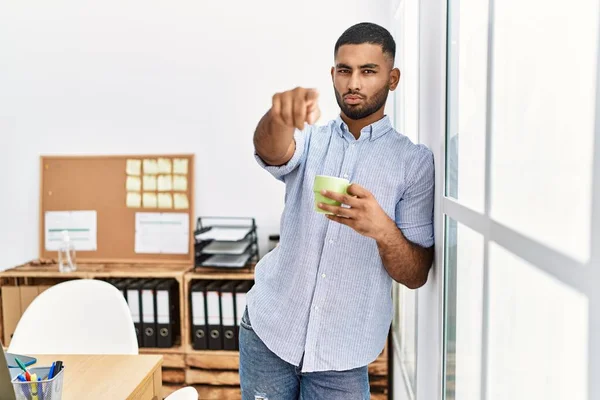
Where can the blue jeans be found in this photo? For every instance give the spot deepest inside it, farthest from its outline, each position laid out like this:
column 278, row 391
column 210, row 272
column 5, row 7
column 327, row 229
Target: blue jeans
column 265, row 376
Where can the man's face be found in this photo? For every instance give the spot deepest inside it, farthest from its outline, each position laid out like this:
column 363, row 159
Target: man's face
column 362, row 78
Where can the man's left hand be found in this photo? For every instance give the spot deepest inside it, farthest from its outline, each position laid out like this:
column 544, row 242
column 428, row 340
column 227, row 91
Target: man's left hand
column 365, row 215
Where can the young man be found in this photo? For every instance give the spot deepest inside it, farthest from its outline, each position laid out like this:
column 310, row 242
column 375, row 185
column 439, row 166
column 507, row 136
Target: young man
column 321, row 307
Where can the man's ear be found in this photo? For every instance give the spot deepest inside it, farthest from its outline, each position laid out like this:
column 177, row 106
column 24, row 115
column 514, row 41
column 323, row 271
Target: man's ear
column 332, row 71
column 394, row 78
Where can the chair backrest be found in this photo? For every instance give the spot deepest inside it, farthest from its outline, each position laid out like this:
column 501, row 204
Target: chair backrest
column 187, row 393
column 83, row 316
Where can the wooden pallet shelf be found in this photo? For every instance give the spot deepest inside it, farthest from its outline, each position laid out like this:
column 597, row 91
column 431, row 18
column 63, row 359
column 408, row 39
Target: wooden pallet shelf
column 214, row 373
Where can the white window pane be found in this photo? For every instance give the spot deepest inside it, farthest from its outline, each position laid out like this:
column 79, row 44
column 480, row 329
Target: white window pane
column 467, row 113
column 544, row 82
column 538, row 333
column 408, row 334
column 464, row 299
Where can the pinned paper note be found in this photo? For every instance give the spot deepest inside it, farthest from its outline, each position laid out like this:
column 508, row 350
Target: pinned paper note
column 150, row 167
column 165, row 200
column 179, row 183
column 134, row 200
column 166, row 233
column 164, row 166
column 181, row 201
column 149, row 200
column 134, row 184
column 165, row 183
column 149, row 182
column 133, row 167
column 180, row 166
column 81, row 226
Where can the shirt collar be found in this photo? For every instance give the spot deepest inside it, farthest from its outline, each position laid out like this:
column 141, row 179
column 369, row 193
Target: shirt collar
column 371, row 132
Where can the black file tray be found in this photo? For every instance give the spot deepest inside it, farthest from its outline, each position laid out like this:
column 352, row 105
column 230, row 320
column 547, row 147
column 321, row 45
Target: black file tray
column 225, row 242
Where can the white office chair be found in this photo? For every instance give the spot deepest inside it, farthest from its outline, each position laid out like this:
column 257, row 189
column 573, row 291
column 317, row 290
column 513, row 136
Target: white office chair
column 187, row 393
column 83, row 316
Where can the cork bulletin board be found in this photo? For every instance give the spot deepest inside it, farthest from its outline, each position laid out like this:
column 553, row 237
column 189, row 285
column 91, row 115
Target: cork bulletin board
column 134, row 208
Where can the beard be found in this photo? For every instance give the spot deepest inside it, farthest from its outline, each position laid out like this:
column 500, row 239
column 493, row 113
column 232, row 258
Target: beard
column 370, row 106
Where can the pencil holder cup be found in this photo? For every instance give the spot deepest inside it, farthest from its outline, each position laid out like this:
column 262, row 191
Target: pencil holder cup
column 45, row 389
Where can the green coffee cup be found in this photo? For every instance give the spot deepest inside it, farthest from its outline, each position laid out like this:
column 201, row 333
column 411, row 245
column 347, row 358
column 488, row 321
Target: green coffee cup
column 332, row 184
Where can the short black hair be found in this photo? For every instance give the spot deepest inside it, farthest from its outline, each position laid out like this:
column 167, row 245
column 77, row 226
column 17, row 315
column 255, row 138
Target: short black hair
column 367, row 32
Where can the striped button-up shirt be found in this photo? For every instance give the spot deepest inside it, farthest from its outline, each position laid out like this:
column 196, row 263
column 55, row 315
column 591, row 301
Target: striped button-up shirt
column 323, row 297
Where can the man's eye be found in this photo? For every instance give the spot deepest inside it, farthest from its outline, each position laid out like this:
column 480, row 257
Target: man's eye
column 369, row 71
column 343, row 71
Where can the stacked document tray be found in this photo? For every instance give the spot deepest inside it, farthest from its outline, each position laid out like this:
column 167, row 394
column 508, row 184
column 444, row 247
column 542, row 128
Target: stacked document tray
column 225, row 242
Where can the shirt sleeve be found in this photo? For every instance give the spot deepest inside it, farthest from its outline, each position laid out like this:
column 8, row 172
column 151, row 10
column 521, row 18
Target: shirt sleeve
column 279, row 172
column 414, row 211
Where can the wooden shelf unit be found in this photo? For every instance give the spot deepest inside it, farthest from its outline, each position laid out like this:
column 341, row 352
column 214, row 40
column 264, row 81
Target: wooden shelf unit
column 214, row 373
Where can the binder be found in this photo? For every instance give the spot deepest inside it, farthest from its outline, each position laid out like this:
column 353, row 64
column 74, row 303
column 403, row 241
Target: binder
column 122, row 285
column 148, row 303
column 166, row 313
column 134, row 301
column 228, row 315
column 240, row 291
column 198, row 308
column 214, row 323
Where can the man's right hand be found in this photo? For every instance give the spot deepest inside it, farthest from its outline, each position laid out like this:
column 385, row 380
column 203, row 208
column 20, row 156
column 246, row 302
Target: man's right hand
column 295, row 107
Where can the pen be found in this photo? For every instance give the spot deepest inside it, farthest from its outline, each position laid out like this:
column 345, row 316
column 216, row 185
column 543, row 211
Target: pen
column 22, row 366
column 34, row 387
column 25, row 389
column 39, row 388
column 57, row 368
column 51, row 373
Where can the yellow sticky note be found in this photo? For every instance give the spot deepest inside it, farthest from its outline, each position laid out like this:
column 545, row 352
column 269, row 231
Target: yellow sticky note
column 179, row 183
column 180, row 166
column 181, row 201
column 149, row 200
column 165, row 200
column 164, row 166
column 134, row 184
column 133, row 167
column 150, row 167
column 149, row 182
column 134, row 200
column 165, row 183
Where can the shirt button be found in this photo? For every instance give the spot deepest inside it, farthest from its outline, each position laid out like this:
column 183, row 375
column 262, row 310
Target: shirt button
column 316, row 307
column 323, row 276
column 331, row 241
column 345, row 175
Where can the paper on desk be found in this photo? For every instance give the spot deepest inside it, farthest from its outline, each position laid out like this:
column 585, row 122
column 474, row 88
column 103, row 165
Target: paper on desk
column 133, row 167
column 180, row 166
column 166, row 233
column 134, row 184
column 179, row 183
column 165, row 183
column 81, row 226
column 150, row 167
column 224, row 233
column 134, row 200
column 164, row 166
column 149, row 183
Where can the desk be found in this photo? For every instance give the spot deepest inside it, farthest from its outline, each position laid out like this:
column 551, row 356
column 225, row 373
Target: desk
column 118, row 377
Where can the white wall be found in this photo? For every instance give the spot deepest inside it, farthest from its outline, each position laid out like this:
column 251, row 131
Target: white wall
column 128, row 77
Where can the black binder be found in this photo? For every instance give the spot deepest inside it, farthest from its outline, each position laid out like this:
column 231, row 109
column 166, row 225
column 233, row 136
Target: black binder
column 228, row 315
column 198, row 314
column 167, row 313
column 122, row 285
column 148, row 304
column 240, row 291
column 134, row 299
column 214, row 321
